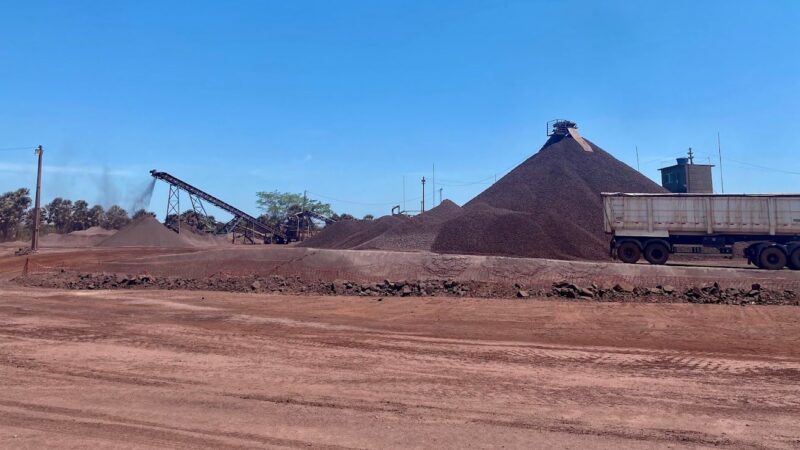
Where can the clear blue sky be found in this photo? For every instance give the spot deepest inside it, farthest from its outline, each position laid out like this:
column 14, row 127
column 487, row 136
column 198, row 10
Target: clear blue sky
column 345, row 98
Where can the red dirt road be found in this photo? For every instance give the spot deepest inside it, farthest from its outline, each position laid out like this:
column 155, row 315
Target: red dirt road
column 179, row 369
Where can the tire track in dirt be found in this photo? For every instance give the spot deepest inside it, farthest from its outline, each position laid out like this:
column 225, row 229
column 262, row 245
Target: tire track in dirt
column 272, row 371
column 677, row 363
column 98, row 425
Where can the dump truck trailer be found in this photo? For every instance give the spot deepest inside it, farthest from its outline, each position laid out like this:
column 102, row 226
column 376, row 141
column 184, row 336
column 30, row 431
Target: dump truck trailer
column 654, row 226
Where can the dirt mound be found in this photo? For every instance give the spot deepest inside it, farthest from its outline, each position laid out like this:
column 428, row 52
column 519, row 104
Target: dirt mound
column 199, row 238
column 89, row 237
column 146, row 232
column 386, row 233
column 547, row 207
column 348, row 234
column 414, row 233
column 93, row 231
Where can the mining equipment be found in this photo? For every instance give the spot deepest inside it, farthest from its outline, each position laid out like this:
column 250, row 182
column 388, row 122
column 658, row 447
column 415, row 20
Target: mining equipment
column 658, row 225
column 299, row 226
column 561, row 127
column 244, row 226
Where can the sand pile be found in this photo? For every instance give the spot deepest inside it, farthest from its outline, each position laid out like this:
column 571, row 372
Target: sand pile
column 146, row 232
column 387, row 232
column 549, row 206
column 89, row 237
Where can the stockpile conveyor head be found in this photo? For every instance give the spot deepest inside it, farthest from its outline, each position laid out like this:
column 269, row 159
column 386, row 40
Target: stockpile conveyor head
column 569, row 128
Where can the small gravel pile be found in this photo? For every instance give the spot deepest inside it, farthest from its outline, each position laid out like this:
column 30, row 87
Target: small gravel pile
column 414, row 233
column 146, row 231
column 349, row 234
column 386, row 233
column 89, row 237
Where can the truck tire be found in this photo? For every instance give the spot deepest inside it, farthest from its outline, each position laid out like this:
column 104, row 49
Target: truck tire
column 629, row 252
column 794, row 259
column 656, row 253
column 772, row 258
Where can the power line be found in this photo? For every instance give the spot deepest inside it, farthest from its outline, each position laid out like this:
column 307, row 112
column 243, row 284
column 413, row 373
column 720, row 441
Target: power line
column 358, row 202
column 9, row 149
column 468, row 183
column 761, row 167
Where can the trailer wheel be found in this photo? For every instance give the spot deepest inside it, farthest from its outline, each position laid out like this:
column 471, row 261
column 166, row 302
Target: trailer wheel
column 772, row 258
column 656, row 253
column 794, row 259
column 629, row 252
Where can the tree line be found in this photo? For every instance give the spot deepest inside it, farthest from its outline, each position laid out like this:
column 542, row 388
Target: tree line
column 60, row 216
column 280, row 209
column 65, row 216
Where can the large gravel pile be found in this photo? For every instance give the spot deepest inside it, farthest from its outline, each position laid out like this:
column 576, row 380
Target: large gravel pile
column 548, row 207
column 145, row 232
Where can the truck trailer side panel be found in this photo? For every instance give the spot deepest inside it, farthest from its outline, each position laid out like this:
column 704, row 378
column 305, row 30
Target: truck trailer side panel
column 674, row 214
column 656, row 225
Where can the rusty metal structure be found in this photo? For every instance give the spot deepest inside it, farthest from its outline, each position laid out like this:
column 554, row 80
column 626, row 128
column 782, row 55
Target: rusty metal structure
column 243, row 226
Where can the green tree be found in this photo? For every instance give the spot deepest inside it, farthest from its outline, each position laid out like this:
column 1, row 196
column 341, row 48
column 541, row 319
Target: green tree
column 192, row 219
column 28, row 223
column 96, row 216
column 141, row 213
column 116, row 218
column 80, row 216
column 13, row 206
column 277, row 206
column 59, row 213
column 369, row 217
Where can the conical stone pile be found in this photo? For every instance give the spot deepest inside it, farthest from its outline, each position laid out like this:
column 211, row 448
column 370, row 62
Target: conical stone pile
column 547, row 207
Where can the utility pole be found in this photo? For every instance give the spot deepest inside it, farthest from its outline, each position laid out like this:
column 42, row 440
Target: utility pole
column 37, row 212
column 637, row 160
column 686, row 171
column 404, row 194
column 719, row 149
column 433, row 190
column 423, row 194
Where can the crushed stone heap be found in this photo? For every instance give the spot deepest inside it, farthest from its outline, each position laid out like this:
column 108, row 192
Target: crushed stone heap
column 547, row 207
column 146, row 231
column 387, row 232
